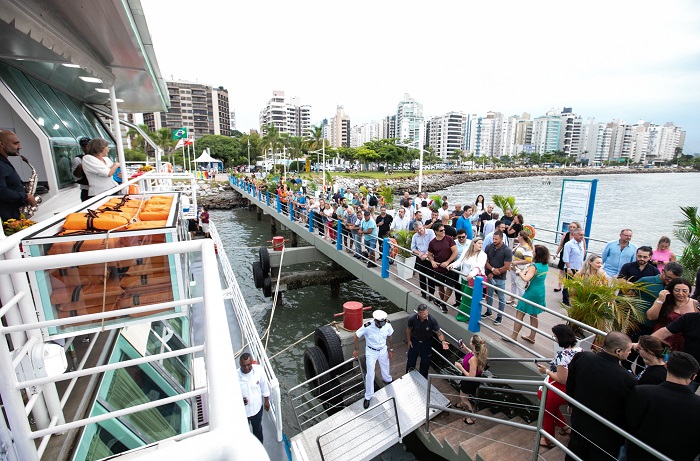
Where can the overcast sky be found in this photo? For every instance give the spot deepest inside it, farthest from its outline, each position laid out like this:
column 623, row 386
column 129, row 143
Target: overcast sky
column 606, row 59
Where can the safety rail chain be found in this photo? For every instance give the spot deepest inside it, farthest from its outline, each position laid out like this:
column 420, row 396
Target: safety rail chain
column 331, row 384
column 233, row 293
column 387, row 260
column 367, row 432
column 227, row 414
column 539, row 431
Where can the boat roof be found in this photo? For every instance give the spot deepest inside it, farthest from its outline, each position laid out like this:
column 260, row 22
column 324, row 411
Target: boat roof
column 59, row 41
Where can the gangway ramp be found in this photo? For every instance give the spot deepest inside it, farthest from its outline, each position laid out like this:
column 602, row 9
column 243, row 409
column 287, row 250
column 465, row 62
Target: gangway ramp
column 357, row 434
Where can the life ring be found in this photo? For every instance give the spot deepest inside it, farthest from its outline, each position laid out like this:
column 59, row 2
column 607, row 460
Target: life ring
column 394, row 248
column 328, row 341
column 530, row 231
column 258, row 276
column 264, row 257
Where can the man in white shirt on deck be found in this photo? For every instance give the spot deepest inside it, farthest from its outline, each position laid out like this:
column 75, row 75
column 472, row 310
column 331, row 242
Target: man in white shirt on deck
column 256, row 392
column 401, row 221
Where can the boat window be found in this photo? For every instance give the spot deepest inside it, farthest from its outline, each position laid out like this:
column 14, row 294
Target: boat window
column 104, row 439
column 163, row 339
column 63, row 123
column 127, row 387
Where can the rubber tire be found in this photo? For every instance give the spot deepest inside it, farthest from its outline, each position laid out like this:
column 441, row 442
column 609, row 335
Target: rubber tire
column 315, row 363
column 267, row 287
column 258, row 276
column 328, row 341
column 264, row 256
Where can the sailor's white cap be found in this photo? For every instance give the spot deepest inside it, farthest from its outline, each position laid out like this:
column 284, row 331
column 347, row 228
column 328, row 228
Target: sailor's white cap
column 379, row 315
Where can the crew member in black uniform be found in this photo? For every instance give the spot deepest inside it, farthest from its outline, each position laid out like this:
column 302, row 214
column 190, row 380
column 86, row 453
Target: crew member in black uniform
column 419, row 331
column 12, row 192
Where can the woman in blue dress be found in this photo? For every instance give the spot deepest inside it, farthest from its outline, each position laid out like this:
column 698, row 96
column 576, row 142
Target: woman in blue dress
column 536, row 274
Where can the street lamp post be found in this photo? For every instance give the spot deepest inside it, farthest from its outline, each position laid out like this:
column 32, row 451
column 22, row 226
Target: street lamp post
column 248, row 155
column 420, row 163
column 323, row 154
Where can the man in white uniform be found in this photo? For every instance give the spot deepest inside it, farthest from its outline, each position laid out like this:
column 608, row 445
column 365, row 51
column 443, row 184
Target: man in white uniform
column 375, row 334
column 255, row 389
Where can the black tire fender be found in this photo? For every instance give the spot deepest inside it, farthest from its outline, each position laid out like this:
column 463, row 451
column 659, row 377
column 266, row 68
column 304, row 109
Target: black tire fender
column 326, row 339
column 315, row 363
column 264, row 256
column 267, row 287
column 258, row 276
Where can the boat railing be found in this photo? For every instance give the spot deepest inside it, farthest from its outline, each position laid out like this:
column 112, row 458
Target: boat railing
column 538, row 429
column 376, row 425
column 225, row 400
column 553, row 237
column 327, row 392
column 251, row 338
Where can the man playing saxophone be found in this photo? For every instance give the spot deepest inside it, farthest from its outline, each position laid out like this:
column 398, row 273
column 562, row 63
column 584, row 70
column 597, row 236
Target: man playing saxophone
column 12, row 192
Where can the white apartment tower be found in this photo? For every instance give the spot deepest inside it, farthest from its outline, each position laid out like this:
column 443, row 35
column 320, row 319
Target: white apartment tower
column 360, row 134
column 447, row 133
column 292, row 117
column 481, row 134
column 409, row 121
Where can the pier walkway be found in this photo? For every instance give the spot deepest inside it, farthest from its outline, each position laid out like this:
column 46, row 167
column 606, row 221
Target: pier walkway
column 406, row 293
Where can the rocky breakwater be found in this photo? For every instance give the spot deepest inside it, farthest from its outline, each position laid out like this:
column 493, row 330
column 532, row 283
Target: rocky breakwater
column 218, row 196
column 439, row 181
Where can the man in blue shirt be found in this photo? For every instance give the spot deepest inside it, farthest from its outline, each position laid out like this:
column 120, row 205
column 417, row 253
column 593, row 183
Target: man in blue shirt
column 464, row 222
column 618, row 253
column 368, row 228
column 572, row 255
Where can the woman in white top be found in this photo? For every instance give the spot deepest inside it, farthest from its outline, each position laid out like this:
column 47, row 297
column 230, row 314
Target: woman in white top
column 472, row 262
column 99, row 168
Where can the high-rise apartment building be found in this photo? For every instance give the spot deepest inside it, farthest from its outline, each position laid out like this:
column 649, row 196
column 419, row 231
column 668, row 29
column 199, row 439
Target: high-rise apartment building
column 200, row 108
column 387, row 128
column 663, row 141
column 410, row 121
column 547, row 133
column 232, row 119
column 570, row 140
column 360, row 134
column 446, row 134
column 340, row 128
column 288, row 117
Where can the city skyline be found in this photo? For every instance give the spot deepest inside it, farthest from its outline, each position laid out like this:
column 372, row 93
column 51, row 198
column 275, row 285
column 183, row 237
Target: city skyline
column 607, row 61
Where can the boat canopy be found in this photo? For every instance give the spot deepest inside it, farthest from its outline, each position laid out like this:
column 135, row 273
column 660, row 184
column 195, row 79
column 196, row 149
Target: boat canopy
column 84, row 48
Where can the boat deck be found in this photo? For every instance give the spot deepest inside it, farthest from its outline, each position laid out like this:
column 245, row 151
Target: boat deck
column 358, row 434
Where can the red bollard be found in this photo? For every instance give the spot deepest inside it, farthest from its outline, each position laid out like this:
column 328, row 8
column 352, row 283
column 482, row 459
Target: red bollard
column 352, row 315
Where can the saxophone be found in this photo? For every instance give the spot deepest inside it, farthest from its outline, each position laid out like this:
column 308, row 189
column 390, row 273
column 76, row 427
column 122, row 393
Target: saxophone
column 29, row 210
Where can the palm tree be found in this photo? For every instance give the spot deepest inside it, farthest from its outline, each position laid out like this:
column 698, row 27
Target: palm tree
column 297, row 145
column 688, row 232
column 314, row 135
column 163, row 138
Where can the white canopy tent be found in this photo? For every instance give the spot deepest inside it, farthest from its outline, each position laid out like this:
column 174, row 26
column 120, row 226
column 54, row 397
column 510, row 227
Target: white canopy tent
column 206, row 158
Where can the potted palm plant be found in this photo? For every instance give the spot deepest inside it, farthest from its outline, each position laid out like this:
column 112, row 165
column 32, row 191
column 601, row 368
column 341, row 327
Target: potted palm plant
column 407, row 260
column 604, row 304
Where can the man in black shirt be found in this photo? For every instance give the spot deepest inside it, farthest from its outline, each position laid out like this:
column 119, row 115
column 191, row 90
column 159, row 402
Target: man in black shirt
column 689, row 325
column 498, row 259
column 12, row 192
column 383, row 221
column 487, row 215
column 640, row 268
column 419, row 331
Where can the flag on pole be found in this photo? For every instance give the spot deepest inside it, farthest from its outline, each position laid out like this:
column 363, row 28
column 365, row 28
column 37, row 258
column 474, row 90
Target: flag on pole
column 180, row 143
column 180, row 133
column 189, row 142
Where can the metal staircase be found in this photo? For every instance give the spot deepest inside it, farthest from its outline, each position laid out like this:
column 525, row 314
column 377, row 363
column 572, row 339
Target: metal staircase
column 358, row 434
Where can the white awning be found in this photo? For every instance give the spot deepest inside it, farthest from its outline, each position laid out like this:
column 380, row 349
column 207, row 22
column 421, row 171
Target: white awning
column 206, row 158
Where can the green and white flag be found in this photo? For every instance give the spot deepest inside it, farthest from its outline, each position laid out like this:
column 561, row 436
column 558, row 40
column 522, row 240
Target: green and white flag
column 180, row 133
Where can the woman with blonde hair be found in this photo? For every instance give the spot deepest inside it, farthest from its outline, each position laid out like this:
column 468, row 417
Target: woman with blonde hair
column 473, row 365
column 522, row 256
column 593, row 265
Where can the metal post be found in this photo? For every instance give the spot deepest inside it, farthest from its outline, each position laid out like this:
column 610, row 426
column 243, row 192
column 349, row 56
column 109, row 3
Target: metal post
column 117, row 132
column 279, row 204
column 267, row 197
column 311, row 221
column 475, row 311
column 339, row 236
column 540, row 419
column 386, row 247
column 291, row 211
